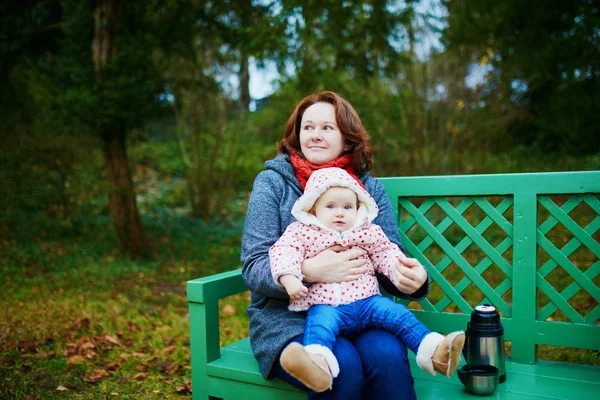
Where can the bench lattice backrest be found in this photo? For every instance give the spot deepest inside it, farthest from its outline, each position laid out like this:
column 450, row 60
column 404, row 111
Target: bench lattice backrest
column 526, row 243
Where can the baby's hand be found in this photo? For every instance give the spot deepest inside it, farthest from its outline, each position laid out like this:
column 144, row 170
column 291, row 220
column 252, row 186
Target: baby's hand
column 396, row 271
column 294, row 287
column 408, row 274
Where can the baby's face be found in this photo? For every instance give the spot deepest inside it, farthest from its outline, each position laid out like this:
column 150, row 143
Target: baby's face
column 337, row 208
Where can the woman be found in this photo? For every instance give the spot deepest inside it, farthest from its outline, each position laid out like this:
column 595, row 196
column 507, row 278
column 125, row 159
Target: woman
column 323, row 131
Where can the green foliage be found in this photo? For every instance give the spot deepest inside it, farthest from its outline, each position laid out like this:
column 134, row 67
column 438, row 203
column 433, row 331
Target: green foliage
column 162, row 156
column 544, row 63
column 357, row 37
column 46, row 173
column 411, row 134
column 27, row 35
column 119, row 94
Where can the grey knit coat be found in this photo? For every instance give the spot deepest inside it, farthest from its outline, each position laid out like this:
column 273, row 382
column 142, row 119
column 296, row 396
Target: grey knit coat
column 274, row 193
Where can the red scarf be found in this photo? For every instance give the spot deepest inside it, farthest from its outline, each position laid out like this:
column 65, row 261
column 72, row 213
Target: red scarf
column 304, row 168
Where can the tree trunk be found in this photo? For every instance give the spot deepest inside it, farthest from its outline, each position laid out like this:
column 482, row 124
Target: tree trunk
column 123, row 206
column 104, row 43
column 245, row 11
column 244, row 82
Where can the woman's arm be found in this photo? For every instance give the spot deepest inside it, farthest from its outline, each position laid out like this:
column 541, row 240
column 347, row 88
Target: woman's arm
column 262, row 228
column 335, row 264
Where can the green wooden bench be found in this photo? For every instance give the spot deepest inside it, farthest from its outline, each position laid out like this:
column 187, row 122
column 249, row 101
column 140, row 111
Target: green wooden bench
column 527, row 243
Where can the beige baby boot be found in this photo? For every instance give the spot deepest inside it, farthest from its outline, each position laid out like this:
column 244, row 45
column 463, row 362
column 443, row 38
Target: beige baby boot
column 313, row 365
column 441, row 353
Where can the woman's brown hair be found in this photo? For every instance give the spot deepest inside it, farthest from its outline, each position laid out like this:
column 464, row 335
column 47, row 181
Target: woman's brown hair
column 353, row 131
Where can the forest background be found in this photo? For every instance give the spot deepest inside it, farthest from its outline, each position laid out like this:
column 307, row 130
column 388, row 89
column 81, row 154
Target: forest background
column 130, row 141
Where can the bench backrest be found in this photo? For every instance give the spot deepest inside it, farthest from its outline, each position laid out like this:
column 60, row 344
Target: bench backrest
column 526, row 243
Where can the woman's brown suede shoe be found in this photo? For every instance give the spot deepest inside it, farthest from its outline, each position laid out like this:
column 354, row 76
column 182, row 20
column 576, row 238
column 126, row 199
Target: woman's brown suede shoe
column 310, row 369
column 447, row 355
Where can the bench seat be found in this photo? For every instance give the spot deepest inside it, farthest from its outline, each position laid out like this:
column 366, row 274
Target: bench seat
column 544, row 380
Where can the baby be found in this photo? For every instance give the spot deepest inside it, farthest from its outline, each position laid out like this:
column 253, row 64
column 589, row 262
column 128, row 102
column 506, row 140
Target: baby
column 335, row 209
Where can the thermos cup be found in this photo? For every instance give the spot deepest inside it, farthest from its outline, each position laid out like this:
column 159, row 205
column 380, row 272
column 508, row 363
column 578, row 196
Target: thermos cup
column 485, row 339
column 479, row 379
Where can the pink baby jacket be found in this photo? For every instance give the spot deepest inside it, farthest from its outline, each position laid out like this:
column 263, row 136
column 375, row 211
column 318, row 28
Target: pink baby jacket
column 307, row 237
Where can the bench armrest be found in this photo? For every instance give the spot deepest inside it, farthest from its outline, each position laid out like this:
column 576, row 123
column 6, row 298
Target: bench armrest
column 214, row 287
column 203, row 302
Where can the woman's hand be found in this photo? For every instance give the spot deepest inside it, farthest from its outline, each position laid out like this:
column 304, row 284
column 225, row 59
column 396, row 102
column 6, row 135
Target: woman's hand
column 408, row 274
column 335, row 264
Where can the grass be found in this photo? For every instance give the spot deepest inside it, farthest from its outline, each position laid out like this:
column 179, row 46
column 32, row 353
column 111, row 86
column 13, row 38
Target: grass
column 81, row 322
column 60, row 340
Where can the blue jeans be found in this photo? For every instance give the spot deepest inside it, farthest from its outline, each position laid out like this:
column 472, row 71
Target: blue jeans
column 372, row 362
column 373, row 365
column 325, row 323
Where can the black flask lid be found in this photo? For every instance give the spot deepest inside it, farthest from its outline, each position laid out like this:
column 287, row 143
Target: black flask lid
column 485, row 315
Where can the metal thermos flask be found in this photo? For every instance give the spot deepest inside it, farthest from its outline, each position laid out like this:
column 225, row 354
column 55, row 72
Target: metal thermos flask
column 485, row 339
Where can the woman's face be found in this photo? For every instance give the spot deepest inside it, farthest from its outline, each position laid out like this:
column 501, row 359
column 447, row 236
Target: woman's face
column 320, row 138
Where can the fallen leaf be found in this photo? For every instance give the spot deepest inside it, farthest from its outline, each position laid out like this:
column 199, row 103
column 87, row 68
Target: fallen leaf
column 139, row 376
column 111, row 339
column 40, row 355
column 113, row 366
column 168, row 349
column 106, row 342
column 71, row 350
column 84, row 349
column 142, row 367
column 89, row 354
column 229, row 310
column 77, row 359
column 185, row 388
column 86, row 343
column 152, row 358
column 10, row 361
column 168, row 368
column 80, row 323
column 61, row 389
column 30, row 347
column 96, row 376
column 168, row 341
column 132, row 326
